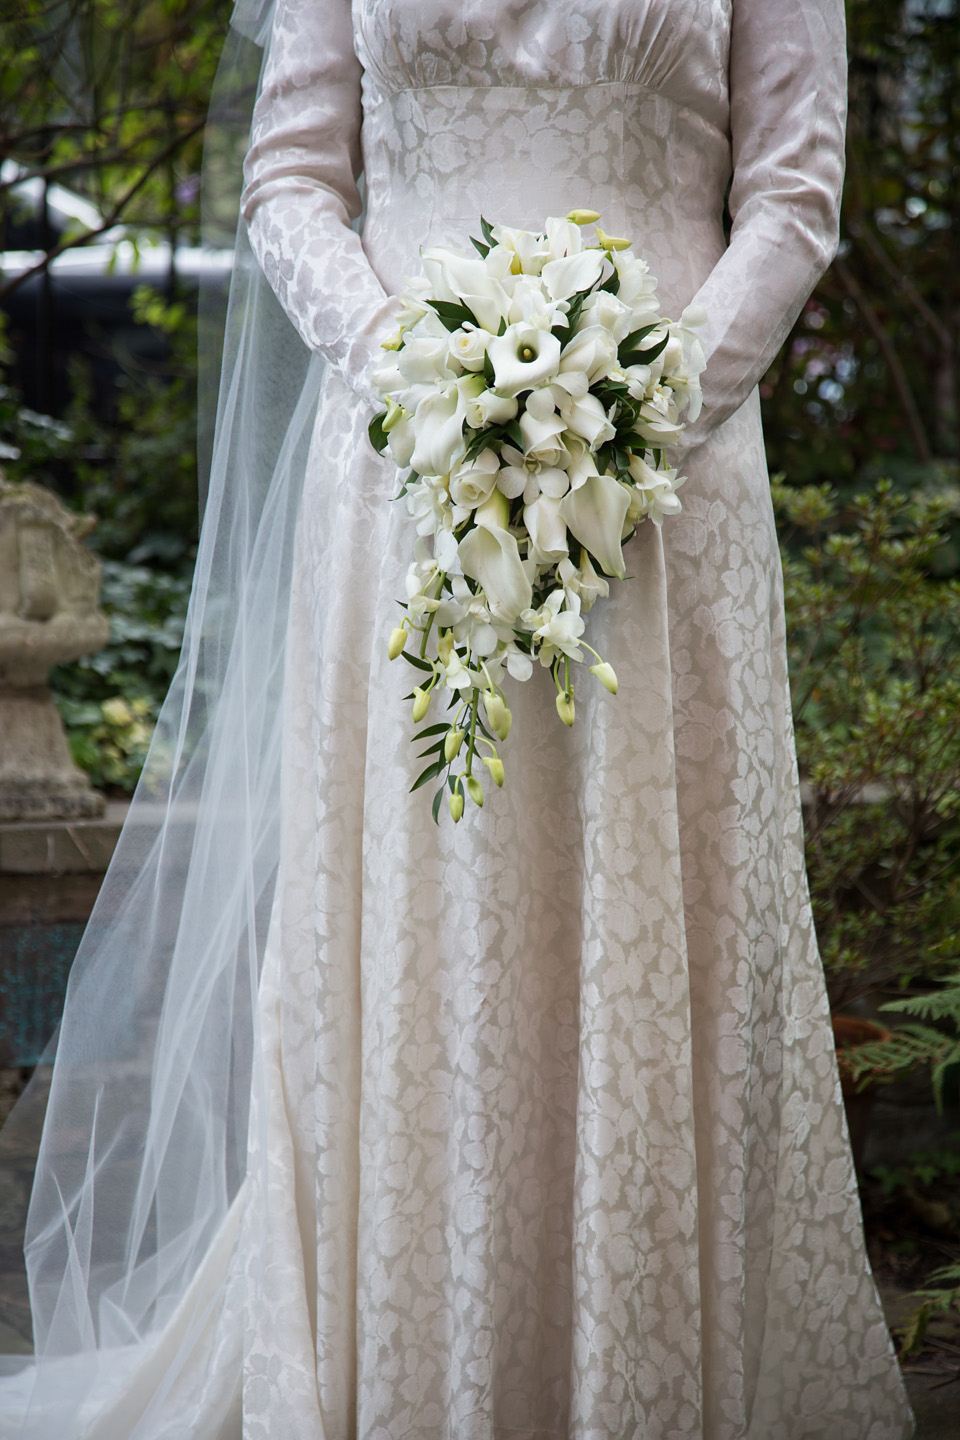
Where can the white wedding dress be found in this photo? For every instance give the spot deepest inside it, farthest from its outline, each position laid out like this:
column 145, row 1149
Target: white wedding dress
column 550, row 1144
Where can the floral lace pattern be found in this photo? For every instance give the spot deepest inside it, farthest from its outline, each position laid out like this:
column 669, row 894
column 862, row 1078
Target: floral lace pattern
column 550, row 1142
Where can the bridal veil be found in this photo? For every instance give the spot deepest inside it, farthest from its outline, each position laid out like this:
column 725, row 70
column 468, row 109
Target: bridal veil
column 144, row 1146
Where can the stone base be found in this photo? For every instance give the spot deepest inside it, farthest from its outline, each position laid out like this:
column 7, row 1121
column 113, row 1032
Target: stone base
column 38, row 779
column 33, row 801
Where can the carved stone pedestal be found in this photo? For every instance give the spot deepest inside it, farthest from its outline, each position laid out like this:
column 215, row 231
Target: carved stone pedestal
column 49, row 587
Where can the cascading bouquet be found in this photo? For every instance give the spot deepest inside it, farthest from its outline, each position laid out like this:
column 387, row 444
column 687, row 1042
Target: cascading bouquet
column 532, row 393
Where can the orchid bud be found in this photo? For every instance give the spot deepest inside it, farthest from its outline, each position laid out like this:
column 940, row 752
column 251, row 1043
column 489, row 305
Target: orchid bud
column 612, row 242
column 495, row 709
column 565, row 707
column 395, row 342
column 421, row 704
column 475, row 790
column 583, row 217
column 398, row 638
column 456, row 805
column 495, row 765
column 394, row 415
column 445, row 646
column 606, row 675
column 504, row 730
column 452, row 743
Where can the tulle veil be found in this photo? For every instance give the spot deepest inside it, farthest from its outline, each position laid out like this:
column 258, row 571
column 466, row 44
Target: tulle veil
column 148, row 1081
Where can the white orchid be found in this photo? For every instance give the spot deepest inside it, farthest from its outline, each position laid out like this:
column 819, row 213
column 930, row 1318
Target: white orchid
column 582, row 581
column 654, row 494
column 556, row 631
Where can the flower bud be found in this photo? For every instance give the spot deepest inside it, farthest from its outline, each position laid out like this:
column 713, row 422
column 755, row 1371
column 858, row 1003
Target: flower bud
column 504, row 729
column 565, row 707
column 475, row 790
column 394, row 343
column 452, row 743
column 495, row 765
column 612, row 242
column 456, row 805
column 445, row 646
column 495, row 709
column 394, row 415
column 583, row 217
column 398, row 638
column 606, row 675
column 421, row 704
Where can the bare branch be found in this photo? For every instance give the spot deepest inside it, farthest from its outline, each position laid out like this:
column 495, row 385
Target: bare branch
column 897, row 373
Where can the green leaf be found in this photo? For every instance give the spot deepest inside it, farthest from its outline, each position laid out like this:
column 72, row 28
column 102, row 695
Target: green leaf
column 416, row 660
column 375, row 430
column 487, row 230
column 631, row 341
column 643, row 357
column 483, row 249
column 439, row 795
column 514, row 434
column 489, row 374
column 431, row 773
column 453, row 314
column 440, row 729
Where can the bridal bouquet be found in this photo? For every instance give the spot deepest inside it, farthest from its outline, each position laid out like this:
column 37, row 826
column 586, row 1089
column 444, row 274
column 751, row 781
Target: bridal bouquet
column 533, row 389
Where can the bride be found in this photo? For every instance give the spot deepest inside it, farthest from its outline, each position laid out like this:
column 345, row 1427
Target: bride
column 362, row 1127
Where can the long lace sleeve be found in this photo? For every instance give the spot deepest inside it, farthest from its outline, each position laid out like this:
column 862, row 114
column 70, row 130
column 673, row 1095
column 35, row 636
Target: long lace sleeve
column 787, row 114
column 301, row 187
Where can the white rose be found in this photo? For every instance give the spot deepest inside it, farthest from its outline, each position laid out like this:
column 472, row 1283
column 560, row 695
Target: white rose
column 594, row 351
column 602, row 308
column 486, row 407
column 424, row 359
column 586, row 417
column 468, row 346
column 475, row 481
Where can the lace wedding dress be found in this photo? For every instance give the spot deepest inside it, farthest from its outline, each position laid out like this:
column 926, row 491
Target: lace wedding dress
column 550, row 1140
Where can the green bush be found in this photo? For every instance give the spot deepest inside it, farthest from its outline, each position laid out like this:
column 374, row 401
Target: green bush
column 875, row 671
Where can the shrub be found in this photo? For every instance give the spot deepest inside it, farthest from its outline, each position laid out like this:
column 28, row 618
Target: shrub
column 875, row 671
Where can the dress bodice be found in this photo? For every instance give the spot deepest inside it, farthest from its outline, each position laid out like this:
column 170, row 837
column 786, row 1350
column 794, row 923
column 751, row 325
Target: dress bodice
column 674, row 48
column 645, row 110
column 519, row 111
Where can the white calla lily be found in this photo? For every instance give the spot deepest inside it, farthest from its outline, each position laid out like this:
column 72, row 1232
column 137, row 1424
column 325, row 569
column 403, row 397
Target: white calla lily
column 572, row 274
column 522, row 357
column 547, row 530
column 595, row 514
column 438, row 426
column 491, row 557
